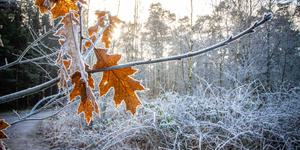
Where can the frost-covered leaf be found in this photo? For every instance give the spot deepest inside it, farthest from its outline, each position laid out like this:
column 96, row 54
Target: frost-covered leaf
column 88, row 43
column 58, row 8
column 124, row 86
column 75, row 67
column 108, row 32
column 63, row 73
column 70, row 45
column 3, row 126
column 100, row 22
column 88, row 101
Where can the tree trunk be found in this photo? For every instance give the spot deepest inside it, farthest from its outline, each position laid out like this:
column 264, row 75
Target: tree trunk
column 191, row 50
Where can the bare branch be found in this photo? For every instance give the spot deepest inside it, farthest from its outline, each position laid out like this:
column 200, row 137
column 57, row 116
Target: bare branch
column 266, row 18
column 28, row 91
column 17, row 114
column 96, row 40
column 27, row 49
column 26, row 118
column 35, row 59
column 46, row 98
column 79, row 6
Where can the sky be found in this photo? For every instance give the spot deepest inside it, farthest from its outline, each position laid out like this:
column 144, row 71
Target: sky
column 126, row 12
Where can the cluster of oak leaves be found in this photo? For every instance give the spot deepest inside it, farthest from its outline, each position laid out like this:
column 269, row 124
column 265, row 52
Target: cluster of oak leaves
column 75, row 68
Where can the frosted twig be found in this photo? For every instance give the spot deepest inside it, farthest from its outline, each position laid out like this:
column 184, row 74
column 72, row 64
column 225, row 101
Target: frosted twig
column 39, row 58
column 27, row 49
column 17, row 114
column 96, row 40
column 79, row 6
column 29, row 91
column 57, row 112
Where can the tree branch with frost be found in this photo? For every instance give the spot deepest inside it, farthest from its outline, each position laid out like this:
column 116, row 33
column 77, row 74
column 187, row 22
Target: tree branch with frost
column 29, row 91
column 28, row 48
column 26, row 118
column 38, row 58
column 96, row 40
column 79, row 6
column 266, row 18
column 52, row 82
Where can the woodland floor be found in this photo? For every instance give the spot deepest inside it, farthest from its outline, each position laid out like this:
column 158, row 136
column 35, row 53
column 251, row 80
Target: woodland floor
column 23, row 135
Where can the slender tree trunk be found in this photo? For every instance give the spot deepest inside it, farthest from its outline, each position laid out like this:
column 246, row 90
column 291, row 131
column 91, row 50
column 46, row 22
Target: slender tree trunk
column 182, row 70
column 284, row 64
column 269, row 55
column 191, row 50
column 238, row 44
column 17, row 101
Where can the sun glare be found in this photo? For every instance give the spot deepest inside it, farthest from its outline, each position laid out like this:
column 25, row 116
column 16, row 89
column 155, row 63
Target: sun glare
column 125, row 9
column 117, row 32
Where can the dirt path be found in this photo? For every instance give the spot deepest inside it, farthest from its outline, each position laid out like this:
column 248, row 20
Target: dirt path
column 22, row 136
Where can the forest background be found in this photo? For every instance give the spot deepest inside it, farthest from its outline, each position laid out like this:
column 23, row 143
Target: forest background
column 265, row 61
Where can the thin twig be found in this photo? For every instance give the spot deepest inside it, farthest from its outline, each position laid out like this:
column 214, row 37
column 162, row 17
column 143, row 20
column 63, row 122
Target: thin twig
column 79, row 5
column 27, row 119
column 27, row 49
column 96, row 40
column 17, row 114
column 39, row 58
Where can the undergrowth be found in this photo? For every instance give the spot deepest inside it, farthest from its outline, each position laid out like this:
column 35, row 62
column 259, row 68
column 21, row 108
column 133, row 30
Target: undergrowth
column 215, row 118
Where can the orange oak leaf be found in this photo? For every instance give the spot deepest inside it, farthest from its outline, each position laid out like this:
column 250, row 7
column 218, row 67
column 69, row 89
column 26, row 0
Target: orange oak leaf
column 88, row 101
column 3, row 126
column 100, row 22
column 90, row 78
column 76, row 68
column 88, row 43
column 124, row 86
column 44, row 5
column 58, row 7
column 107, row 36
column 61, row 41
column 70, row 44
column 108, row 32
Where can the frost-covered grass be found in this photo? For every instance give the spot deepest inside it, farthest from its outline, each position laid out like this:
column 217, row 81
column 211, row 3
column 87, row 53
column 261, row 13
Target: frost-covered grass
column 215, row 118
